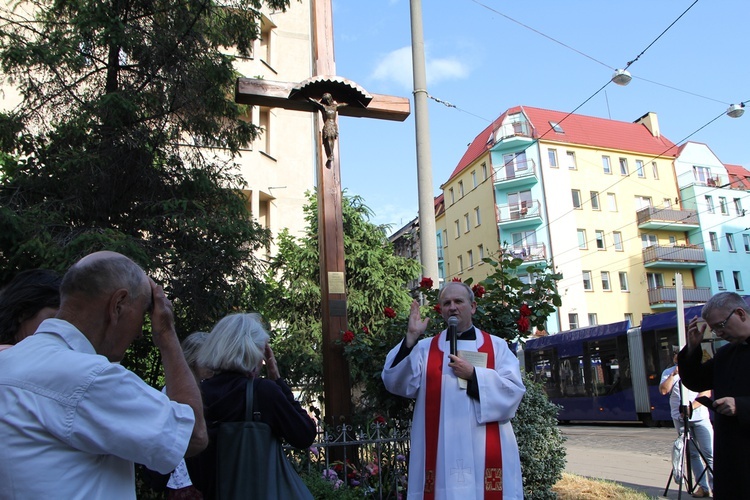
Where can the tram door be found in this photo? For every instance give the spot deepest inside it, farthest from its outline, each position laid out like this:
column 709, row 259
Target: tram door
column 609, row 380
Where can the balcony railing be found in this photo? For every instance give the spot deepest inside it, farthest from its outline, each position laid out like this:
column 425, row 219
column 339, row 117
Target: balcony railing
column 512, row 130
column 668, row 295
column 528, row 253
column 520, row 171
column 674, row 256
column 666, row 218
column 522, row 211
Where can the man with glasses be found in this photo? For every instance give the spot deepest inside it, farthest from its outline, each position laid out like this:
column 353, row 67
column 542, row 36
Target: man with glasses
column 727, row 315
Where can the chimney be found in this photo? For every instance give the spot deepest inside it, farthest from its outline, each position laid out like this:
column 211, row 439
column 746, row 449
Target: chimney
column 651, row 122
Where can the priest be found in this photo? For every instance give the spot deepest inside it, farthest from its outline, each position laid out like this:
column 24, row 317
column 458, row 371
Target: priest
column 462, row 443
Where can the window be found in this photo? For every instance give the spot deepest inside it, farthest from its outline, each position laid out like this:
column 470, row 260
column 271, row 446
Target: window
column 737, row 280
column 466, row 223
column 730, row 242
column 623, row 166
column 576, row 198
column 480, row 249
column 639, row 169
column 458, row 229
column 556, row 127
column 519, row 204
column 606, row 165
column 264, row 122
column 617, row 239
column 571, row 158
column 474, row 179
column 746, row 241
column 710, row 204
column 642, row 202
column 484, row 171
column 452, row 196
column 460, row 189
column 470, row 254
column 667, row 203
column 582, row 239
column 655, row 280
column 655, row 170
column 552, row 153
column 605, row 282
column 445, row 238
column 672, row 240
column 594, row 200
column 592, row 319
column 265, row 44
column 714, row 241
column 612, row 202
column 702, row 175
column 738, row 206
column 599, row 234
column 720, row 280
column 477, row 217
column 723, row 205
column 460, row 263
column 587, row 283
column 623, row 281
column 573, row 320
column 649, row 240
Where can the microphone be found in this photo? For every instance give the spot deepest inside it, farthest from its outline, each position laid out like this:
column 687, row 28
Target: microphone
column 452, row 333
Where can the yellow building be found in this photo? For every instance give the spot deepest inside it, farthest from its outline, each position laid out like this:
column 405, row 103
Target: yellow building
column 596, row 198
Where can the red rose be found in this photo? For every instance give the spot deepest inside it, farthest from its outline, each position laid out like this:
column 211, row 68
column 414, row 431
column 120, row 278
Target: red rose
column 365, row 329
column 525, row 310
column 426, row 283
column 437, row 309
column 389, row 313
column 478, row 291
column 379, row 419
column 348, row 336
column 457, row 280
column 523, row 324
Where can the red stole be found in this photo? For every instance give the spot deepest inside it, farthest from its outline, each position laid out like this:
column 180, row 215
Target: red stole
column 493, row 458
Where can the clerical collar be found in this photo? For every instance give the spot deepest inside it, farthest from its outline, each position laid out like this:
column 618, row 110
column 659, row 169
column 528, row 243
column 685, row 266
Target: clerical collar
column 469, row 334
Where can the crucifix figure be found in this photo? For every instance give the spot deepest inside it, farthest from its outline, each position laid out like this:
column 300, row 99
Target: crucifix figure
column 301, row 96
column 328, row 107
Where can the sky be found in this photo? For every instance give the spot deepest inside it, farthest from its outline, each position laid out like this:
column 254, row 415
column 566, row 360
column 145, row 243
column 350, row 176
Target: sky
column 688, row 59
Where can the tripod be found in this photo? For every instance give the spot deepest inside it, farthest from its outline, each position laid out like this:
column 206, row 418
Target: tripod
column 685, row 469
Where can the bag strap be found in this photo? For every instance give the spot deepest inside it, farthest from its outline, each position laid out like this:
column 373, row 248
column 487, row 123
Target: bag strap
column 250, row 415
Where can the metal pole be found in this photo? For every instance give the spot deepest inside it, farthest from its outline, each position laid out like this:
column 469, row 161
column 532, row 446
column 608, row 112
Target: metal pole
column 427, row 229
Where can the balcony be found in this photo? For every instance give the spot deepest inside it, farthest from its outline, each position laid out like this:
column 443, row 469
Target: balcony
column 530, row 254
column 512, row 135
column 667, row 219
column 523, row 213
column 665, row 297
column 678, row 256
column 516, row 174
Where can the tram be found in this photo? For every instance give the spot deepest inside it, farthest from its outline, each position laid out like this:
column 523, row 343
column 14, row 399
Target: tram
column 610, row 372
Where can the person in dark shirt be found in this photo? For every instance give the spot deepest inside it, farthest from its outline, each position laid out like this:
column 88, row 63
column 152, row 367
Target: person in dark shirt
column 728, row 316
column 236, row 350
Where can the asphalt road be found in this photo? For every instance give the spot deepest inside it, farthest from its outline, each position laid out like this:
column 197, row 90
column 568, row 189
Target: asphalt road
column 631, row 454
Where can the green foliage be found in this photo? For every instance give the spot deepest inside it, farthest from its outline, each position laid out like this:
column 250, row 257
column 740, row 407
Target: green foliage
column 324, row 489
column 375, row 278
column 102, row 151
column 540, row 442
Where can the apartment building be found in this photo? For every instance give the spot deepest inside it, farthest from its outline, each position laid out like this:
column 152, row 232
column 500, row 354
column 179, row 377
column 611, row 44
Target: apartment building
column 597, row 198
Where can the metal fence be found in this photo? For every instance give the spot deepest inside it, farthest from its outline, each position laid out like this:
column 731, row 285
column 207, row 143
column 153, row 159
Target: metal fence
column 371, row 458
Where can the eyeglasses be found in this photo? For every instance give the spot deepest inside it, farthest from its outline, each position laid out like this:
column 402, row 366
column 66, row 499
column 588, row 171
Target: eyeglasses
column 723, row 324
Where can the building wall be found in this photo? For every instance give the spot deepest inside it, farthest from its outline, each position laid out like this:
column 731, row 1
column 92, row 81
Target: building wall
column 704, row 184
column 469, row 222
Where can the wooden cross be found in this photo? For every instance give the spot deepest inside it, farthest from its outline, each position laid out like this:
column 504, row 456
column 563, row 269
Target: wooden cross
column 259, row 92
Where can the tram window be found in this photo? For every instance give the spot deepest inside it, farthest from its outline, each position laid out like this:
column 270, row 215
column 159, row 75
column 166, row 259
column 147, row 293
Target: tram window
column 544, row 364
column 605, row 368
column 572, row 375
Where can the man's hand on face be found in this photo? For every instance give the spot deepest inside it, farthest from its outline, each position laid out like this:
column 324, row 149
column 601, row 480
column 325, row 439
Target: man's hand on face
column 162, row 318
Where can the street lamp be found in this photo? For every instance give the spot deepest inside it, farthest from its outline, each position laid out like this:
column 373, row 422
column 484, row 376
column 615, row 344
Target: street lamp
column 621, row 77
column 736, row 110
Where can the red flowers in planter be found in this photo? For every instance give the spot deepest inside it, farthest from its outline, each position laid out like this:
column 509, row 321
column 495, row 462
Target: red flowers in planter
column 426, row 283
column 523, row 324
column 348, row 336
column 478, row 290
column 525, row 310
column 389, row 312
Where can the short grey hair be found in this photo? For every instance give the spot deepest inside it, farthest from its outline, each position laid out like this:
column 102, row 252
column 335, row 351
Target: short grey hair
column 94, row 278
column 236, row 344
column 191, row 346
column 469, row 291
column 724, row 301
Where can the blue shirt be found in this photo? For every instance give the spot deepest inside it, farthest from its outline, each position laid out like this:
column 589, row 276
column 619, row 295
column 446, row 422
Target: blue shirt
column 72, row 423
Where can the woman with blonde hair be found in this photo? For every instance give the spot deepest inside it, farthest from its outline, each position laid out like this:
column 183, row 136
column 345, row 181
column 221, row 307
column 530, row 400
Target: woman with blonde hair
column 236, row 350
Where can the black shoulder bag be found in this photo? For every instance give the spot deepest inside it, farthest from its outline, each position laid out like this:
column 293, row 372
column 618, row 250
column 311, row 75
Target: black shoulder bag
column 251, row 463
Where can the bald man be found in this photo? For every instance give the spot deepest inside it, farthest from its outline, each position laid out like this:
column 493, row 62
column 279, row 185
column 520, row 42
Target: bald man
column 73, row 421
